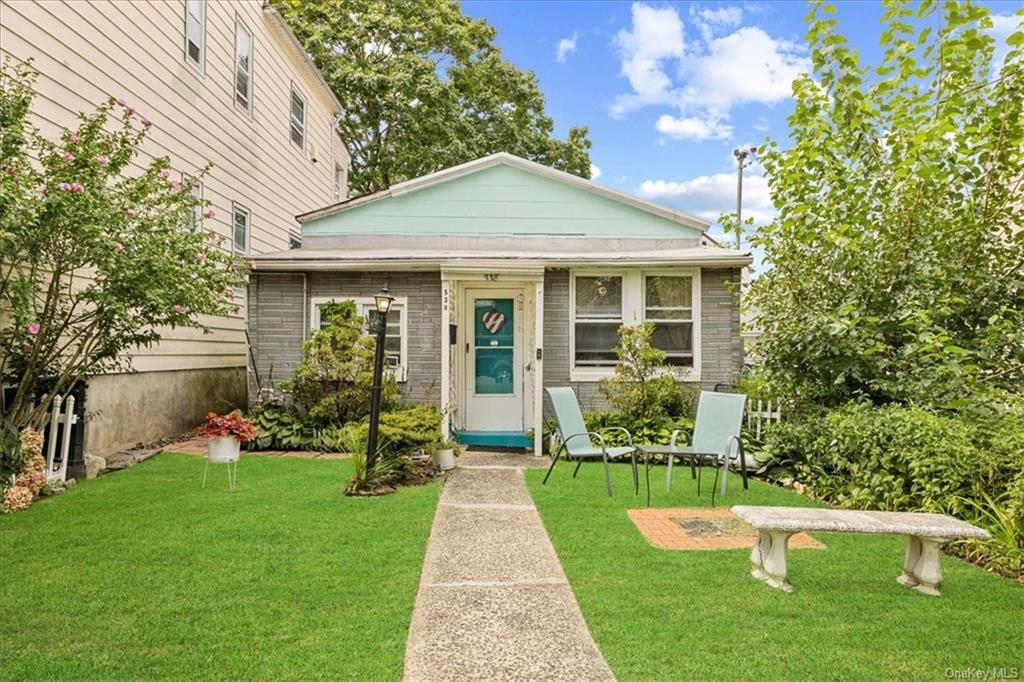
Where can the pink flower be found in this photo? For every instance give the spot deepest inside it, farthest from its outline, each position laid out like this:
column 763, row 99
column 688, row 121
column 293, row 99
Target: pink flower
column 102, row 160
column 130, row 110
column 43, row 189
column 145, row 121
column 165, row 174
column 131, row 213
column 65, row 186
column 33, row 328
column 74, row 138
column 77, row 188
column 201, row 256
column 175, row 185
column 179, row 308
column 121, row 102
column 211, row 213
column 69, row 157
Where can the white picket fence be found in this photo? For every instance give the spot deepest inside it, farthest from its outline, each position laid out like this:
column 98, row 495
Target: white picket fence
column 762, row 414
column 57, row 470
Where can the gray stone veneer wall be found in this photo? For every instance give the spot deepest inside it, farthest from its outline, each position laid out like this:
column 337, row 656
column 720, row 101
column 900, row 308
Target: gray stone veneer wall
column 276, row 316
column 721, row 346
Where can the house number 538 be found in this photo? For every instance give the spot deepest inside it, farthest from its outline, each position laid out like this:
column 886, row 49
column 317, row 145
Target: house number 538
column 491, row 277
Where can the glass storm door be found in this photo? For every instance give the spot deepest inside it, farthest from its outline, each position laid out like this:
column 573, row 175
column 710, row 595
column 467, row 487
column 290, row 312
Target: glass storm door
column 494, row 373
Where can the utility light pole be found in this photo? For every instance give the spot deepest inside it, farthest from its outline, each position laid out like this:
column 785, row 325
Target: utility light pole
column 744, row 157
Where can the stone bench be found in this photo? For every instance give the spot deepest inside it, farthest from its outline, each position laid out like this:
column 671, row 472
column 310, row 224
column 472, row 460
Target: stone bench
column 925, row 534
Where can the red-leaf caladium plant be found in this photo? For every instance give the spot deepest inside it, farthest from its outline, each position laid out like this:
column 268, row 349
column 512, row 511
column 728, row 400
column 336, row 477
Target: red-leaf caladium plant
column 895, row 268
column 96, row 257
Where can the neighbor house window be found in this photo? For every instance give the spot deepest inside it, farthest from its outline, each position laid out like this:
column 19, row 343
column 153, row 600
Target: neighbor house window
column 597, row 316
column 395, row 350
column 668, row 303
column 195, row 33
column 240, row 229
column 192, row 221
column 294, row 240
column 298, row 119
column 340, row 183
column 243, row 66
column 601, row 302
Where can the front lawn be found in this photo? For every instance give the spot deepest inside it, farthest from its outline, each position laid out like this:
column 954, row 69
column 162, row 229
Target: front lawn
column 671, row 615
column 144, row 575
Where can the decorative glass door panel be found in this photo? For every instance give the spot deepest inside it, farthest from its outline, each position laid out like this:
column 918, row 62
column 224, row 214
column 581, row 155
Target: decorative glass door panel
column 494, row 344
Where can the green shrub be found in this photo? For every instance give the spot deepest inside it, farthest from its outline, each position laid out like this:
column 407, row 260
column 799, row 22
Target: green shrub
column 407, row 430
column 640, row 386
column 910, row 459
column 647, row 430
column 334, row 380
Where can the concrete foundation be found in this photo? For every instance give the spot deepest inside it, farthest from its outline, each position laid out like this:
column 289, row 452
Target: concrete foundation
column 125, row 409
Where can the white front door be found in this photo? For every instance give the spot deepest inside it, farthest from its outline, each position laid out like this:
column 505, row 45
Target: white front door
column 494, row 360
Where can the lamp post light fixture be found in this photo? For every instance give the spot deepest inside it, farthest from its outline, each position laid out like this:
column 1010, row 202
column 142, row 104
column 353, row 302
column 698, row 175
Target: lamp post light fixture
column 744, row 157
column 383, row 301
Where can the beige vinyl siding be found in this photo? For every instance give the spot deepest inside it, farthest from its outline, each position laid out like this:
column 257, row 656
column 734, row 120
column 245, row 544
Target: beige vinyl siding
column 86, row 52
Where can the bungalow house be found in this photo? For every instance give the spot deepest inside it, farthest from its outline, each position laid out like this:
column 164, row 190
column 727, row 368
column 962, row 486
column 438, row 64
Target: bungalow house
column 508, row 276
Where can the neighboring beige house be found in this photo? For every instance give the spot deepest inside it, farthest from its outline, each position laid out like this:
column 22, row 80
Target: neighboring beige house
column 222, row 81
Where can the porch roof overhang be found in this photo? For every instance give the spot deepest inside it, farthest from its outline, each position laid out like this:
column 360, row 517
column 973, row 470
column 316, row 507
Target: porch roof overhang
column 372, row 252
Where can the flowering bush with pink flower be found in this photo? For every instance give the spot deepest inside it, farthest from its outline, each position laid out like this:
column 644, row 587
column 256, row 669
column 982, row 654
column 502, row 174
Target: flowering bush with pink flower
column 75, row 204
column 232, row 424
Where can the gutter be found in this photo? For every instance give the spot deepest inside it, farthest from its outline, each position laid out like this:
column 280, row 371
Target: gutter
column 506, row 265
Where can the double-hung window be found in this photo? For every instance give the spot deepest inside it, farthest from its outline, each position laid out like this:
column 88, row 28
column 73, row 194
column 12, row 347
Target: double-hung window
column 668, row 303
column 298, row 119
column 240, row 229
column 340, row 183
column 395, row 349
column 598, row 308
column 243, row 67
column 602, row 301
column 195, row 34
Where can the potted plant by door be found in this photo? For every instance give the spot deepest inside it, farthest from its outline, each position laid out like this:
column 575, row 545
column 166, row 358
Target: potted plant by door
column 226, row 433
column 444, row 455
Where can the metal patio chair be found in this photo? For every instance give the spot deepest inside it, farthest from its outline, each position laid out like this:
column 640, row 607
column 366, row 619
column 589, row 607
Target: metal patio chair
column 576, row 441
column 716, row 439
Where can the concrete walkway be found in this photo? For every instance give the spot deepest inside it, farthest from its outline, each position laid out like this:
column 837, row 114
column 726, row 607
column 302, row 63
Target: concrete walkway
column 493, row 601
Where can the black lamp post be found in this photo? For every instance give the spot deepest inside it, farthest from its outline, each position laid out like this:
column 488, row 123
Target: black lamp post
column 383, row 301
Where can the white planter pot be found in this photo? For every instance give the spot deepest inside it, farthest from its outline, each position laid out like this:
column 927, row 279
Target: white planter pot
column 445, row 459
column 224, row 449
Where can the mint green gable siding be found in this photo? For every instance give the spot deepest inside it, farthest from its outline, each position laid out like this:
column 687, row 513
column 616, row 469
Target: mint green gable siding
column 499, row 200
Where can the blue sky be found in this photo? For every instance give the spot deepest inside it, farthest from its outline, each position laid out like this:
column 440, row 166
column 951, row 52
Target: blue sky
column 668, row 90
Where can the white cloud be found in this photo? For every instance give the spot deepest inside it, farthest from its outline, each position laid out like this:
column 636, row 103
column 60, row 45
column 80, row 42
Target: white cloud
column 711, row 75
column 712, row 21
column 655, row 38
column 595, row 171
column 565, row 47
column 709, row 196
column 693, row 128
column 747, row 65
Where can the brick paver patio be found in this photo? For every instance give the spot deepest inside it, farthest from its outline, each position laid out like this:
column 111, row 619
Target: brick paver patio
column 662, row 529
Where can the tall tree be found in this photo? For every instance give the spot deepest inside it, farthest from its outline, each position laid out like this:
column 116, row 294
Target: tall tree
column 423, row 88
column 896, row 263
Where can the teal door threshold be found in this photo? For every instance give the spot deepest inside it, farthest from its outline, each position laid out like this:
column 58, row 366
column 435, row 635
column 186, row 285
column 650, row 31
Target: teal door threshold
column 499, row 439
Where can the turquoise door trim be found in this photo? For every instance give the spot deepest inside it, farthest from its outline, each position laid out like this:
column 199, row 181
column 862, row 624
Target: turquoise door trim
column 499, row 439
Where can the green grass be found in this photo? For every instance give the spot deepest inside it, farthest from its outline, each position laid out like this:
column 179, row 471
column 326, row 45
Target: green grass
column 670, row 615
column 143, row 575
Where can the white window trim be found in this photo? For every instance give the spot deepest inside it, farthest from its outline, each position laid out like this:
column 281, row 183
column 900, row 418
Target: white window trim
column 402, row 371
column 633, row 307
column 235, row 207
column 234, row 71
column 294, row 91
column 340, row 188
column 199, row 67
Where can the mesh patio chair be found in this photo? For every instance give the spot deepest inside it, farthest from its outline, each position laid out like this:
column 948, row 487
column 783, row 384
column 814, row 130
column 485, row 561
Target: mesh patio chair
column 576, row 441
column 716, row 439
